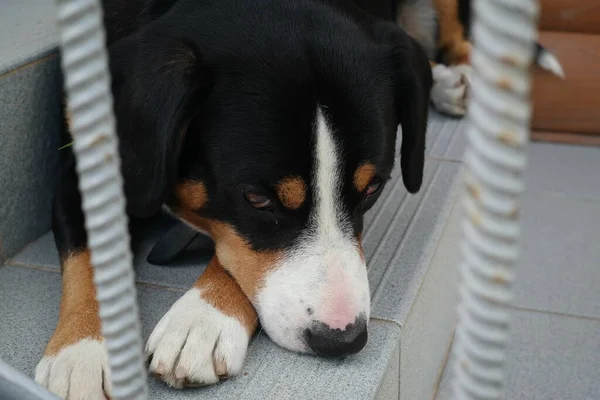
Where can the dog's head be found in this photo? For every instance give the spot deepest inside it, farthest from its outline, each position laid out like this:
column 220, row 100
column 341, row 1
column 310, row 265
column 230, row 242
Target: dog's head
column 275, row 140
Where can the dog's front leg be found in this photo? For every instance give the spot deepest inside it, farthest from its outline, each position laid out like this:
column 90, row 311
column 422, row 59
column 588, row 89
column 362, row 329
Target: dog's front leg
column 451, row 82
column 204, row 336
column 75, row 362
column 457, row 49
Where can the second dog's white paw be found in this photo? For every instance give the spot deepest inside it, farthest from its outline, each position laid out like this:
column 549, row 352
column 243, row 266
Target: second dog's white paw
column 78, row 372
column 451, row 86
column 196, row 344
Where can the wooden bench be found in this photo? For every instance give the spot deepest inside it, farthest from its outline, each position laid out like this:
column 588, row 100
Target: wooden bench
column 568, row 111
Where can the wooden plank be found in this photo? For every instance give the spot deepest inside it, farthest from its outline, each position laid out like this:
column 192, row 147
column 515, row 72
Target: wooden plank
column 582, row 16
column 566, row 138
column 570, row 105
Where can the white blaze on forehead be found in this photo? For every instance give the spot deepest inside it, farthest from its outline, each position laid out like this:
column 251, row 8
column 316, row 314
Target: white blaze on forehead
column 327, row 181
column 322, row 279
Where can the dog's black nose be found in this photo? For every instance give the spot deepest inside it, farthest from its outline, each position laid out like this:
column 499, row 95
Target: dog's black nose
column 336, row 342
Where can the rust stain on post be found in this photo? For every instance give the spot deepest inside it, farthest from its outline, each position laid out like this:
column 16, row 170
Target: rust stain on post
column 513, row 213
column 510, row 138
column 504, row 83
column 474, row 190
column 100, row 139
column 510, row 60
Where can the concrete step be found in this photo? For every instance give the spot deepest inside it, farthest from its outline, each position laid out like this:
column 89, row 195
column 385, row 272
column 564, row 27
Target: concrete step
column 29, row 120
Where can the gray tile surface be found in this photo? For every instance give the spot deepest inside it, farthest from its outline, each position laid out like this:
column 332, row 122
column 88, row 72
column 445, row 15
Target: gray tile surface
column 427, row 330
column 446, row 137
column 549, row 357
column 29, row 307
column 445, row 389
column 181, row 273
column 29, row 303
column 403, row 254
column 559, row 267
column 389, row 389
column 569, row 170
column 274, row 373
column 28, row 31
column 29, row 120
column 41, row 252
column 553, row 357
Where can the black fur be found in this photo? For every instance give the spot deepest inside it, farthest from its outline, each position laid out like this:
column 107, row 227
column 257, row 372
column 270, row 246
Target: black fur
column 226, row 93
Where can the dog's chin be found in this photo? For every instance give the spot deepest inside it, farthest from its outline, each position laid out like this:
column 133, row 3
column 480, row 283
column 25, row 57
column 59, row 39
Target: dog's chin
column 296, row 344
column 290, row 337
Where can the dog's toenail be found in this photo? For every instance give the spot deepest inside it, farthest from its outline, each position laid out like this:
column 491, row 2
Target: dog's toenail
column 180, row 373
column 160, row 368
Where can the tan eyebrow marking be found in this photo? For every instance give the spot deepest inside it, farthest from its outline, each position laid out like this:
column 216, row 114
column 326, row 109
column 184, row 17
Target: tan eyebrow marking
column 192, row 193
column 363, row 176
column 292, row 192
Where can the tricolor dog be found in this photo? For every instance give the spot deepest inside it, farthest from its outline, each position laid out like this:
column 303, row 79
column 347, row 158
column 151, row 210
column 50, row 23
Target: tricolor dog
column 271, row 126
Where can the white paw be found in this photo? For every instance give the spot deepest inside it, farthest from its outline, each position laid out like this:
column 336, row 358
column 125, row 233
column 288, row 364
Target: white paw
column 196, row 344
column 451, row 87
column 78, row 372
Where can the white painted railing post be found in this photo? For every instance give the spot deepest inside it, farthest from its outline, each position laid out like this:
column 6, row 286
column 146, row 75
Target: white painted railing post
column 504, row 35
column 87, row 82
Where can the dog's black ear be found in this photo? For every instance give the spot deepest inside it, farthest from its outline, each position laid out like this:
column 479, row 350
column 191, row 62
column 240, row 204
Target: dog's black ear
column 414, row 82
column 158, row 83
column 413, row 78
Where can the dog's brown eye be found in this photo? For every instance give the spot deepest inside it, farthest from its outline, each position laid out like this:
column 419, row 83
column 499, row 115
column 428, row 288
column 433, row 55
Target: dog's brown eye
column 373, row 187
column 258, row 201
